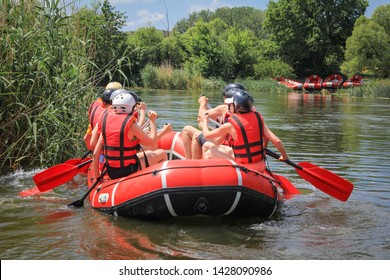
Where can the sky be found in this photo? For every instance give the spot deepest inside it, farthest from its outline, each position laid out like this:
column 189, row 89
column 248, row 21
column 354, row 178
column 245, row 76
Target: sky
column 165, row 13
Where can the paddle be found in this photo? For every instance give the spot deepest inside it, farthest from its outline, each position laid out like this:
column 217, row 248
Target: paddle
column 30, row 192
column 57, row 175
column 80, row 203
column 74, row 161
column 321, row 178
column 289, row 189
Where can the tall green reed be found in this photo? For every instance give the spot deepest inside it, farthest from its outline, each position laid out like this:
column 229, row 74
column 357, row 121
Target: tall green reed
column 45, row 86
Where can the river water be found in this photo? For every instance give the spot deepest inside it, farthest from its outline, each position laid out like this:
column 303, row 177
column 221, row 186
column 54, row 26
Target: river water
column 348, row 136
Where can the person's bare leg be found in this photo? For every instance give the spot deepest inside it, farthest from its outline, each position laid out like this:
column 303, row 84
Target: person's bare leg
column 187, row 134
column 196, row 149
column 155, row 156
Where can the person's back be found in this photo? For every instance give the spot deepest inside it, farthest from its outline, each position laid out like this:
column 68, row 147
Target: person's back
column 119, row 151
column 96, row 108
column 120, row 138
column 248, row 145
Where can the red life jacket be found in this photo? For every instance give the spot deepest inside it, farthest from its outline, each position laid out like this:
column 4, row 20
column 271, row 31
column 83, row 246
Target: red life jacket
column 94, row 111
column 248, row 147
column 118, row 149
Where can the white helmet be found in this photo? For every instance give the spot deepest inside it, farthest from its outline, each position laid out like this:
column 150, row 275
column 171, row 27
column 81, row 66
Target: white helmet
column 124, row 103
column 114, row 85
column 116, row 93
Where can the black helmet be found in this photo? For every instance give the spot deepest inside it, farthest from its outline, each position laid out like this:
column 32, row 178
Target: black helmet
column 135, row 96
column 232, row 86
column 230, row 92
column 106, row 95
column 243, row 101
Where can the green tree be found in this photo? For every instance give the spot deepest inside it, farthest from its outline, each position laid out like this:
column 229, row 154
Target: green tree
column 206, row 52
column 145, row 47
column 381, row 16
column 244, row 18
column 311, row 34
column 368, row 49
column 173, row 51
column 244, row 46
column 101, row 28
column 186, row 23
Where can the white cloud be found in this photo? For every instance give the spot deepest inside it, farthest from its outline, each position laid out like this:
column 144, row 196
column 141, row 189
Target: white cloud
column 215, row 4
column 145, row 17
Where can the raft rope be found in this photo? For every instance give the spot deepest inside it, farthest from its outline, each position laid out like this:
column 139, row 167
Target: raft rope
column 156, row 171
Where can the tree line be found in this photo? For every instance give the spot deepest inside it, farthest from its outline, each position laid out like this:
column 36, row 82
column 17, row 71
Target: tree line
column 54, row 55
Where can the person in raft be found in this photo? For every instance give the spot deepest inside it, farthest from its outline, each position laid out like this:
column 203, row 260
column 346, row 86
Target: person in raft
column 121, row 139
column 193, row 139
column 95, row 109
column 107, row 97
column 247, row 132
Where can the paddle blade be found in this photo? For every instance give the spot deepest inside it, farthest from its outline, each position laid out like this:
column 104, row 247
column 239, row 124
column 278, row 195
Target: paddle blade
column 30, row 192
column 78, row 203
column 55, row 176
column 289, row 189
column 325, row 180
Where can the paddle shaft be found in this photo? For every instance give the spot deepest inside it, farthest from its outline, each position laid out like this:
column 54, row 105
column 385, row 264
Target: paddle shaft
column 275, row 155
column 80, row 203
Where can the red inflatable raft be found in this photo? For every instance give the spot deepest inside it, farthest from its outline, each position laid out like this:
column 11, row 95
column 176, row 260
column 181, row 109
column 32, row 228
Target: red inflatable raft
column 333, row 81
column 290, row 83
column 179, row 187
column 313, row 82
column 356, row 80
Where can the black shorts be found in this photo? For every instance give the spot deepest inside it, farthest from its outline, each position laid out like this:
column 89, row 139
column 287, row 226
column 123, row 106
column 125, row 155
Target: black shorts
column 115, row 172
column 200, row 139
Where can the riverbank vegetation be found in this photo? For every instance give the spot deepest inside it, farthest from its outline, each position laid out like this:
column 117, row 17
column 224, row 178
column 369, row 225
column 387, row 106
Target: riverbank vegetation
column 55, row 58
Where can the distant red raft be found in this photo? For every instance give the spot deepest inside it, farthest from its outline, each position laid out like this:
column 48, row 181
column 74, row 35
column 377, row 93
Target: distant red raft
column 333, row 81
column 290, row 83
column 356, row 80
column 313, row 82
column 188, row 187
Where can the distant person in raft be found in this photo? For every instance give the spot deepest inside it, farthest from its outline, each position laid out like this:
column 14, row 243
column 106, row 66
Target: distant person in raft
column 247, row 132
column 120, row 139
column 96, row 108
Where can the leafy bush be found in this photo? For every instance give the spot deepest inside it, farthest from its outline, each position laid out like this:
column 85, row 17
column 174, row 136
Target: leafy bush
column 273, row 68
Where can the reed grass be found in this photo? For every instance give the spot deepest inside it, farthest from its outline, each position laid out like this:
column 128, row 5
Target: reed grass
column 376, row 88
column 165, row 77
column 45, row 84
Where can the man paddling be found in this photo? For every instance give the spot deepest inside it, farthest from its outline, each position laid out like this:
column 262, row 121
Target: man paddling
column 193, row 139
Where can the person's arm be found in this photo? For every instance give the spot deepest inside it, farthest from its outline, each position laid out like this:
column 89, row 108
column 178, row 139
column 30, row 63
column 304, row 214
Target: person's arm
column 145, row 139
column 96, row 156
column 213, row 113
column 87, row 138
column 142, row 113
column 94, row 137
column 277, row 143
column 220, row 132
column 203, row 105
